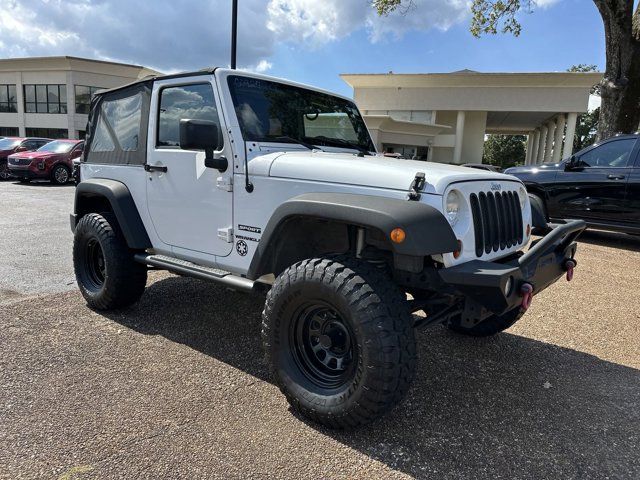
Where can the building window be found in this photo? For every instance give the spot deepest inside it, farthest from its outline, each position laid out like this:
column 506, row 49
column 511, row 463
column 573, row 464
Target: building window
column 8, row 99
column 45, row 98
column 84, row 95
column 9, row 131
column 47, row 132
column 82, row 134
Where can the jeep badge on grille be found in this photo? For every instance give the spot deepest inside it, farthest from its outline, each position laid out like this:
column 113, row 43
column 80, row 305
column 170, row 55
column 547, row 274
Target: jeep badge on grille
column 496, row 186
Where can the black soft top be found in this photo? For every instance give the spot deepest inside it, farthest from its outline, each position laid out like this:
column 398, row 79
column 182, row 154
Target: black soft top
column 118, row 122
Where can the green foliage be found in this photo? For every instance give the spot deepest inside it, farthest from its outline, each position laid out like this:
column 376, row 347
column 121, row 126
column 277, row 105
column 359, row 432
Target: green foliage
column 586, row 130
column 493, row 16
column 504, row 150
column 585, row 68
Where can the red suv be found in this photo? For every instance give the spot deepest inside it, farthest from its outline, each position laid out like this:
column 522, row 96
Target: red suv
column 11, row 145
column 53, row 161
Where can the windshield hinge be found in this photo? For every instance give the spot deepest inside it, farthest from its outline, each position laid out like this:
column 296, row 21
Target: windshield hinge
column 226, row 234
column 417, row 185
column 225, row 184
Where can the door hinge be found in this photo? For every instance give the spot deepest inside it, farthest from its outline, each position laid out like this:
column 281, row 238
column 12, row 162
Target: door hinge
column 226, row 234
column 225, row 184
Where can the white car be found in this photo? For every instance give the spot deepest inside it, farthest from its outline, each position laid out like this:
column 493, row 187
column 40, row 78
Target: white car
column 264, row 185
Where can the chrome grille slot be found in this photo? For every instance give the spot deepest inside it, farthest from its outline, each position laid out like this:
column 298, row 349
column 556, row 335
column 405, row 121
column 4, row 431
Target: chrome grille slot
column 497, row 221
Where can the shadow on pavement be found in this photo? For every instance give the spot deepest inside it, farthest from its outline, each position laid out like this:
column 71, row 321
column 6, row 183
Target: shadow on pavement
column 611, row 239
column 478, row 408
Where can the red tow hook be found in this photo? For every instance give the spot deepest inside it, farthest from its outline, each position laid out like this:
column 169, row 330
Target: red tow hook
column 569, row 265
column 526, row 292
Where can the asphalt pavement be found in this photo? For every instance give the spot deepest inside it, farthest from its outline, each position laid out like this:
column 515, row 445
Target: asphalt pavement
column 176, row 386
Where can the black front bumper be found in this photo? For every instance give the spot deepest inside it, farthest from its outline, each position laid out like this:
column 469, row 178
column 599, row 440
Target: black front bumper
column 484, row 284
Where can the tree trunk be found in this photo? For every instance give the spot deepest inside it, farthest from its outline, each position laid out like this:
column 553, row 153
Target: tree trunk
column 620, row 87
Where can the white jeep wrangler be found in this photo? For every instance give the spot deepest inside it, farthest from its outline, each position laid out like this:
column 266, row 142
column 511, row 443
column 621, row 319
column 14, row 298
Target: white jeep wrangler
column 263, row 185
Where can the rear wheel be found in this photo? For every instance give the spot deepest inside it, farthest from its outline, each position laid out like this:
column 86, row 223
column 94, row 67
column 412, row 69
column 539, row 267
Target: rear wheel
column 106, row 272
column 339, row 340
column 490, row 326
column 4, row 171
column 60, row 175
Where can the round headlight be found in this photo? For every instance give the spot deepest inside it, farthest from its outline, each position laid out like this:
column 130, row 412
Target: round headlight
column 522, row 195
column 452, row 206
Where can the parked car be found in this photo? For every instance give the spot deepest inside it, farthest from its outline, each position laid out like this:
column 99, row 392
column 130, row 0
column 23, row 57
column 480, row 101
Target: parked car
column 484, row 166
column 600, row 184
column 225, row 178
column 11, row 145
column 53, row 161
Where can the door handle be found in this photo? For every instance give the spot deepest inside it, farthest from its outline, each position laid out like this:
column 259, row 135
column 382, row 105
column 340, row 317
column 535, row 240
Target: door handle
column 154, row 168
column 616, row 177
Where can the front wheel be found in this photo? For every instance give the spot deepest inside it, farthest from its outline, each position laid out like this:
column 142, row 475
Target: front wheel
column 4, row 171
column 106, row 272
column 339, row 340
column 489, row 326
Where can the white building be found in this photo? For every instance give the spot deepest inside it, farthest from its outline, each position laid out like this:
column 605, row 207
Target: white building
column 50, row 96
column 444, row 117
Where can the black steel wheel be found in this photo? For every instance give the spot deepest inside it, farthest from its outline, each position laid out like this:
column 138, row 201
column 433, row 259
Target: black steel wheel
column 106, row 272
column 339, row 341
column 324, row 345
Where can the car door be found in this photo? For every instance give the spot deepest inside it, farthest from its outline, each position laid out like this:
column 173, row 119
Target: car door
column 595, row 188
column 188, row 211
column 633, row 195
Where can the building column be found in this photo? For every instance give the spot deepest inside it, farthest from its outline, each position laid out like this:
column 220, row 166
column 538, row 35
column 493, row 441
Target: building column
column 571, row 132
column 534, row 146
column 527, row 157
column 457, row 150
column 551, row 130
column 22, row 131
column 71, row 108
column 557, row 144
column 541, row 144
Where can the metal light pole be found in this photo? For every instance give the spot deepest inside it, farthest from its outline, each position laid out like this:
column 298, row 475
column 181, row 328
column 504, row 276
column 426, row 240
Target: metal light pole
column 234, row 33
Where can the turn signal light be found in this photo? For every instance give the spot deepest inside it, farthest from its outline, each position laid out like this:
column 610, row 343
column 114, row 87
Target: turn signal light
column 398, row 235
column 458, row 251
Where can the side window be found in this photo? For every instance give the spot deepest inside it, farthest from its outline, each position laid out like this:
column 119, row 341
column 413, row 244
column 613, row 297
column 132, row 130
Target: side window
column 195, row 102
column 119, row 121
column 30, row 145
column 612, row 154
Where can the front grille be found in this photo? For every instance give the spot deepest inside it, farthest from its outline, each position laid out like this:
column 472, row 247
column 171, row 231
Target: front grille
column 497, row 221
column 19, row 161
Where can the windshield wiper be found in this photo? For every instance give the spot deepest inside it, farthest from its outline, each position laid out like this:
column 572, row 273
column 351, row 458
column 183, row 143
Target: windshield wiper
column 285, row 138
column 339, row 142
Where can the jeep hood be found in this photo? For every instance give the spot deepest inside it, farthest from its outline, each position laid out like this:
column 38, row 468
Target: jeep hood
column 374, row 171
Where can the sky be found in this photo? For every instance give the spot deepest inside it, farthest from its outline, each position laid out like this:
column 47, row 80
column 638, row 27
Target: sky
column 311, row 41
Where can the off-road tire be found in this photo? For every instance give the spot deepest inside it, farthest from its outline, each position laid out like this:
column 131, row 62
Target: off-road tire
column 374, row 312
column 488, row 327
column 121, row 280
column 58, row 173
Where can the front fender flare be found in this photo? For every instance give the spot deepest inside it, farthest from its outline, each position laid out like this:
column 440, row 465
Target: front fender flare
column 427, row 230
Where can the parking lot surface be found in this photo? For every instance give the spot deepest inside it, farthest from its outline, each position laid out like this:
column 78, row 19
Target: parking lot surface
column 176, row 387
column 35, row 239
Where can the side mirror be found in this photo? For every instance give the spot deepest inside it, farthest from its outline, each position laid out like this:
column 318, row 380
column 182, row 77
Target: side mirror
column 202, row 135
column 572, row 164
column 21, row 149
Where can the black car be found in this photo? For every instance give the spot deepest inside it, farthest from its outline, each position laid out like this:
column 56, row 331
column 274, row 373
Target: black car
column 600, row 184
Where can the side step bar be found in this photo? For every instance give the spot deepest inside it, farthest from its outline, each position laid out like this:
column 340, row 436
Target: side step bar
column 189, row 269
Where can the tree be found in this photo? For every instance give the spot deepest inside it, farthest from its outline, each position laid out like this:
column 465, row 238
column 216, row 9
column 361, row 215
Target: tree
column 586, row 130
column 620, row 86
column 504, row 150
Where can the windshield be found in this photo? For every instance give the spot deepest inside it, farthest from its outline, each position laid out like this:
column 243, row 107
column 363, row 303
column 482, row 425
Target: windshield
column 57, row 147
column 8, row 143
column 274, row 112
